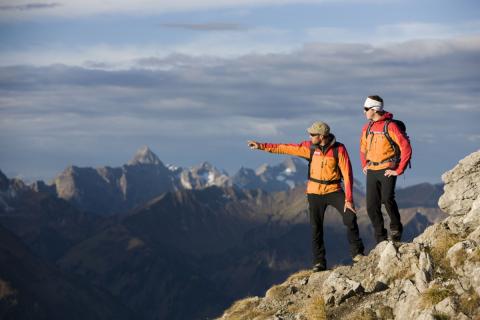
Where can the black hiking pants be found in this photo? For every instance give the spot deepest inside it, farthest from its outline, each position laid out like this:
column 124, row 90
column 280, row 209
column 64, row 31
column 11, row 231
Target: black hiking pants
column 317, row 204
column 381, row 189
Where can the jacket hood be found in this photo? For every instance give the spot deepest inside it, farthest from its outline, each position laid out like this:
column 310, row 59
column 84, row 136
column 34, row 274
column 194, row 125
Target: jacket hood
column 386, row 116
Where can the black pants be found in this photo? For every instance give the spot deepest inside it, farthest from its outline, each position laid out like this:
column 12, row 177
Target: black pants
column 381, row 189
column 317, row 204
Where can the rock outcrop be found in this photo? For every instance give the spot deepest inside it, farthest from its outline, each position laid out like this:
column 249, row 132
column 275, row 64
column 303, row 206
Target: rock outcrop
column 436, row 276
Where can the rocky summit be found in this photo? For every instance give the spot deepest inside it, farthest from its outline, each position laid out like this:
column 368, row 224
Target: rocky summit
column 436, row 276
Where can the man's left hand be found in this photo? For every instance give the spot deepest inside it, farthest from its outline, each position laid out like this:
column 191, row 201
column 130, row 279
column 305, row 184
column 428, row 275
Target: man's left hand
column 349, row 206
column 390, row 173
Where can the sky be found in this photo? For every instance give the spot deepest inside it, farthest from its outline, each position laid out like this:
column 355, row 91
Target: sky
column 87, row 83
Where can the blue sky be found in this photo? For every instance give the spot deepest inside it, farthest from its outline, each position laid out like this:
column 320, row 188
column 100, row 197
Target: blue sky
column 87, row 82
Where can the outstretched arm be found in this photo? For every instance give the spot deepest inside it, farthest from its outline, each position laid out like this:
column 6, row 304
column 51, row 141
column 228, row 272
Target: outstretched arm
column 300, row 150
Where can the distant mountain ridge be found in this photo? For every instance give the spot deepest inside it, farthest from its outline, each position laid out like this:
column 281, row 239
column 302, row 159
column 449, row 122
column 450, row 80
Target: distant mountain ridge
column 107, row 190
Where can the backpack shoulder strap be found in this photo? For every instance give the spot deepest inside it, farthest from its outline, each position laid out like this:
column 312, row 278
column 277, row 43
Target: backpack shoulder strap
column 335, row 156
column 312, row 151
column 335, row 151
column 367, row 132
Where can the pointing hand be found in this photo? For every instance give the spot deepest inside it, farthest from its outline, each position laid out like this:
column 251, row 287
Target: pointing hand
column 252, row 144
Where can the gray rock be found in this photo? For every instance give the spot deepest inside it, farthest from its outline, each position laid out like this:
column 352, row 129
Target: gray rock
column 317, row 279
column 407, row 302
column 475, row 235
column 424, row 271
column 475, row 278
column 388, row 259
column 461, row 316
column 446, row 306
column 459, row 252
column 473, row 217
column 337, row 288
column 426, row 315
column 462, row 186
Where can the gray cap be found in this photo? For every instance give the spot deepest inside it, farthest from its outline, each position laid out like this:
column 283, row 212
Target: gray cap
column 319, row 127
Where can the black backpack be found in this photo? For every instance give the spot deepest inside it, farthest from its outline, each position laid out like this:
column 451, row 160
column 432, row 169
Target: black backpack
column 403, row 129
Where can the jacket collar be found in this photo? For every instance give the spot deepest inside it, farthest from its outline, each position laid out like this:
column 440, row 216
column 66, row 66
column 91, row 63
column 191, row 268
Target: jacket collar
column 325, row 148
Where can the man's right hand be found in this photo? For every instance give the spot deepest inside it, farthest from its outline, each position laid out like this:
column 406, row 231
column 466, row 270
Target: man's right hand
column 253, row 144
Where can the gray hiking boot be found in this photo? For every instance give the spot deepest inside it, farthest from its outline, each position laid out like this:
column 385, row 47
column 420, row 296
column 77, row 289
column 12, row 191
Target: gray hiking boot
column 319, row 267
column 395, row 235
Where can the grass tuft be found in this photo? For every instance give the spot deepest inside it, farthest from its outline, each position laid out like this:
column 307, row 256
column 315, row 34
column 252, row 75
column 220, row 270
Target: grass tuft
column 440, row 316
column 476, row 255
column 299, row 275
column 277, row 292
column 469, row 303
column 434, row 295
column 315, row 309
column 443, row 241
column 364, row 314
column 385, row 312
column 246, row 309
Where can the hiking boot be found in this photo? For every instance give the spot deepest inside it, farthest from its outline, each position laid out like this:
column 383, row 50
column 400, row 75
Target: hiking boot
column 319, row 267
column 395, row 236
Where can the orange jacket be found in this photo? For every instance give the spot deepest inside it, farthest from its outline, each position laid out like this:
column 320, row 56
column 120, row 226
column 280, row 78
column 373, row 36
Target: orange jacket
column 323, row 166
column 375, row 150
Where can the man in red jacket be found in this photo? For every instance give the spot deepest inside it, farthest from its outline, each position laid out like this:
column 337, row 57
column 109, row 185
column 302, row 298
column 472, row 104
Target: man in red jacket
column 328, row 164
column 385, row 152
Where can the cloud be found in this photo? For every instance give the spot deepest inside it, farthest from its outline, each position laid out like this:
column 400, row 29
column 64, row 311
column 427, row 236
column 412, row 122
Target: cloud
column 22, row 10
column 410, row 30
column 212, row 26
column 240, row 40
column 383, row 34
column 205, row 44
column 78, row 8
column 211, row 105
column 29, row 6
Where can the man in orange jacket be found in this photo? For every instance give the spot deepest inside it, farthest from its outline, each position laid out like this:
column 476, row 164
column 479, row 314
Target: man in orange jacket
column 328, row 164
column 385, row 152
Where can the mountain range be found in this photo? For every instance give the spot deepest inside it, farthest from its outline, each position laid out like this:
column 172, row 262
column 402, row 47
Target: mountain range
column 173, row 243
column 107, row 190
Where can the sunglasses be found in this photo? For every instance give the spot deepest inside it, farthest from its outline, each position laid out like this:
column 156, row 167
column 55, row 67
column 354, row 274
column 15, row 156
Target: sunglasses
column 366, row 109
column 314, row 134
